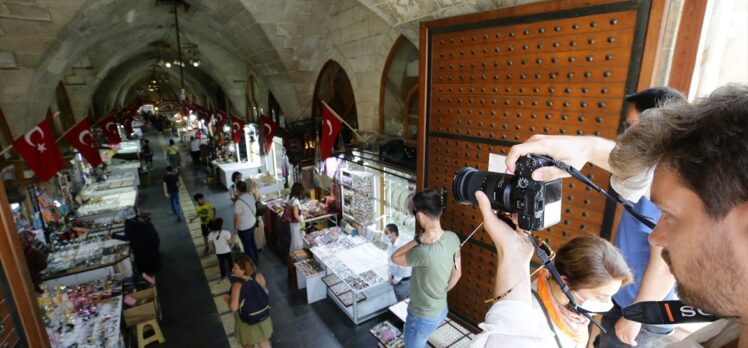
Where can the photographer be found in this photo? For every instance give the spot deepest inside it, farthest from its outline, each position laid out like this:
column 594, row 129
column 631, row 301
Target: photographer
column 694, row 158
column 434, row 256
column 593, row 269
column 652, row 278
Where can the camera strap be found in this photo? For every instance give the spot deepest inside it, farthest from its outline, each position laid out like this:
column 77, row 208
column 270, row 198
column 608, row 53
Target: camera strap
column 575, row 173
column 662, row 312
column 548, row 264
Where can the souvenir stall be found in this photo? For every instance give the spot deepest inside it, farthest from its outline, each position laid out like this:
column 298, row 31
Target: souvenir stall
column 84, row 315
column 243, row 156
column 355, row 276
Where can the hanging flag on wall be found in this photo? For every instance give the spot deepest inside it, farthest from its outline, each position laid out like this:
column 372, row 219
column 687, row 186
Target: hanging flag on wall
column 109, row 127
column 40, row 151
column 81, row 138
column 331, row 124
column 269, row 128
column 219, row 117
column 237, row 129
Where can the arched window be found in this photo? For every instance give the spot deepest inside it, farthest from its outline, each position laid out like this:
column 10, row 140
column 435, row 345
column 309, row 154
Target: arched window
column 334, row 88
column 398, row 99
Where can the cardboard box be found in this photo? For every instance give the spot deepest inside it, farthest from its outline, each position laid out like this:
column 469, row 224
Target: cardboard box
column 146, row 309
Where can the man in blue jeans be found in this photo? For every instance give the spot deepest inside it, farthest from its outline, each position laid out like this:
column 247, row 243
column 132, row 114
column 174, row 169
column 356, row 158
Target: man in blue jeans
column 245, row 218
column 434, row 255
column 171, row 191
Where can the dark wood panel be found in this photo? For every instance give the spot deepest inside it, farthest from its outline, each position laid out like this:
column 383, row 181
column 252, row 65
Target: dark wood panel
column 490, row 80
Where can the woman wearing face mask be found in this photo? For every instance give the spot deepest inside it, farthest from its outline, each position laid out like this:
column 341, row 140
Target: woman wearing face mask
column 537, row 314
column 594, row 270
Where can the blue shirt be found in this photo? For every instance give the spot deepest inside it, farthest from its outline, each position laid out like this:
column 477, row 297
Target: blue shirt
column 632, row 239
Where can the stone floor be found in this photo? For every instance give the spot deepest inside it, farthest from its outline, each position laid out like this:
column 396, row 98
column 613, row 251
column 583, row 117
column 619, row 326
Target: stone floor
column 195, row 314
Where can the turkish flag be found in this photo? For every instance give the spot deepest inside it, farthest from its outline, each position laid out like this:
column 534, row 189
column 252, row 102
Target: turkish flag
column 331, row 124
column 237, row 129
column 39, row 149
column 219, row 118
column 109, row 127
column 81, row 138
column 127, row 123
column 269, row 127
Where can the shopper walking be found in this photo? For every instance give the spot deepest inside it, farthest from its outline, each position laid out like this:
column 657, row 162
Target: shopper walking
column 292, row 215
column 195, row 151
column 233, row 194
column 172, row 153
column 206, row 212
column 253, row 190
column 221, row 241
column 147, row 155
column 245, row 220
column 250, row 303
column 171, row 191
column 399, row 275
column 434, row 255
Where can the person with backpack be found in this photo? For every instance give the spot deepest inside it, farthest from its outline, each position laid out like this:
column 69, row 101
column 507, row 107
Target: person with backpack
column 250, row 303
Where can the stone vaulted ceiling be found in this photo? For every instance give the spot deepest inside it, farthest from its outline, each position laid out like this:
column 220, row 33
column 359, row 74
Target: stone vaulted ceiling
column 104, row 47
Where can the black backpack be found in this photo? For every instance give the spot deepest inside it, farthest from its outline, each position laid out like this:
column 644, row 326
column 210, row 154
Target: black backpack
column 254, row 303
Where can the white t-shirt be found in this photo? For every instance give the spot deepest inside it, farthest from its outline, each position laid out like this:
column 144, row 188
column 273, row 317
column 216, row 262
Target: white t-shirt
column 514, row 324
column 221, row 240
column 396, row 271
column 245, row 208
column 295, row 202
column 195, row 145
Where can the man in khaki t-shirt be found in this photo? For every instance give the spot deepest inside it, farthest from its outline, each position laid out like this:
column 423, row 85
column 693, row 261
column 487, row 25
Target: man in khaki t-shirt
column 434, row 255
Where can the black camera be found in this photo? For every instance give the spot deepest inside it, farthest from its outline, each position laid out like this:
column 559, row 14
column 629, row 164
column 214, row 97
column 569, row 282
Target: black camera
column 537, row 203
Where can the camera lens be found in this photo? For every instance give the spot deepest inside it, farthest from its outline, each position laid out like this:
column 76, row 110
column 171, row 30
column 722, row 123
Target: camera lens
column 497, row 186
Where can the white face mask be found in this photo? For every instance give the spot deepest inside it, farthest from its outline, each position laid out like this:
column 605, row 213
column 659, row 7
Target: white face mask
column 593, row 306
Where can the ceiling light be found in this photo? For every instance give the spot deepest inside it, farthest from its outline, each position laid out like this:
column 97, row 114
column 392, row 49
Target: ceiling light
column 168, row 64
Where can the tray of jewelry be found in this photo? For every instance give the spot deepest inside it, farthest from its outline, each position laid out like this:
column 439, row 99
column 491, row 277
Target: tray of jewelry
column 347, row 298
column 388, row 335
column 339, row 288
column 331, row 280
column 371, row 277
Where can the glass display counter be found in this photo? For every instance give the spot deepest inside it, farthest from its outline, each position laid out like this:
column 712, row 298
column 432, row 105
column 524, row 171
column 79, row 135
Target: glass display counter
column 356, row 277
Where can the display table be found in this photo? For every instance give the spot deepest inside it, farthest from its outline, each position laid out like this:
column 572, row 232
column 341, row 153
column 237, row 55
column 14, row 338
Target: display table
column 309, row 276
column 86, row 261
column 114, row 185
column 86, row 315
column 122, row 204
column 225, row 170
column 357, row 277
column 267, row 184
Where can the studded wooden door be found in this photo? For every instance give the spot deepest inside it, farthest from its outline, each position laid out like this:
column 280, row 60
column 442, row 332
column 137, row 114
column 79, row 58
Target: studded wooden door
column 491, row 80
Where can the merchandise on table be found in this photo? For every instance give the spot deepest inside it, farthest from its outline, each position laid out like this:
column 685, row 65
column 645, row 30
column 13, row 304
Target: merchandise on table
column 85, row 315
column 331, row 280
column 76, row 256
column 309, row 267
column 117, row 203
column 347, row 298
column 388, row 335
column 324, row 236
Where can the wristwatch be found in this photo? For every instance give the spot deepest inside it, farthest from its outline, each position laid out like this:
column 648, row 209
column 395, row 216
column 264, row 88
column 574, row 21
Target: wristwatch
column 417, row 238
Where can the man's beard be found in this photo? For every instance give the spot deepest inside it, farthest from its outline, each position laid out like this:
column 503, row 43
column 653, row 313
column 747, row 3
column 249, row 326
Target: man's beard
column 711, row 271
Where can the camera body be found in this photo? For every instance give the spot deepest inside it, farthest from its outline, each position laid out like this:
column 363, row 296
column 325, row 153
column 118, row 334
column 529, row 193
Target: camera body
column 536, row 203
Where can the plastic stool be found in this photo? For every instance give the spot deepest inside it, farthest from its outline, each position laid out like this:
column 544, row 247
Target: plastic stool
column 156, row 337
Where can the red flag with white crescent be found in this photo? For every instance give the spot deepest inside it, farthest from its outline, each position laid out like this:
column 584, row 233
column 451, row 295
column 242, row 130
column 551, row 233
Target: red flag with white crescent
column 40, row 151
column 82, row 139
column 109, row 126
column 268, row 129
column 331, row 124
column 237, row 129
column 220, row 117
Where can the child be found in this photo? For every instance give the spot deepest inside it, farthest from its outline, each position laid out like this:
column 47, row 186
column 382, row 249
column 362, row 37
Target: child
column 206, row 212
column 249, row 296
column 221, row 240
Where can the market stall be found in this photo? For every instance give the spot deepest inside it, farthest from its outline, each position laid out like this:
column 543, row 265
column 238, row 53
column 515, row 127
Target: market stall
column 356, row 276
column 84, row 315
column 225, row 168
